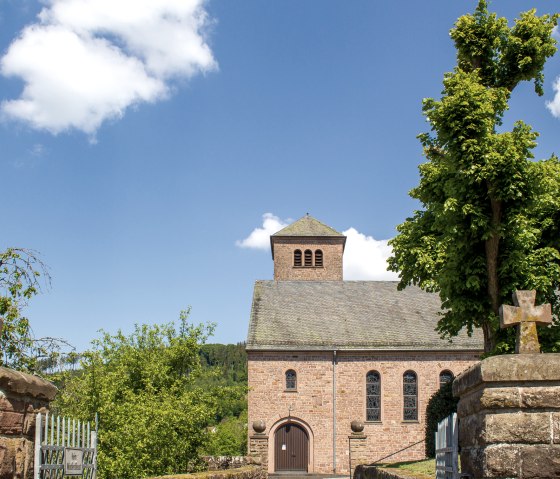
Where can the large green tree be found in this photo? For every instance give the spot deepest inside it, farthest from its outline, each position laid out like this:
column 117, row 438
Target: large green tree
column 490, row 216
column 144, row 387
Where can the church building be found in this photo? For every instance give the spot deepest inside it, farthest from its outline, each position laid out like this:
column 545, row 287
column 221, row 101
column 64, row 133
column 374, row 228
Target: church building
column 340, row 372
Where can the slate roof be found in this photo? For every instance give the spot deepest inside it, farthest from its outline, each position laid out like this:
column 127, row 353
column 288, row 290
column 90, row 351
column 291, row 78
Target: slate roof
column 308, row 226
column 326, row 315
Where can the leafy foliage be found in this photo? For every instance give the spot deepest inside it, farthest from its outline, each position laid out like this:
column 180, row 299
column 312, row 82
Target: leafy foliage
column 153, row 416
column 229, row 437
column 22, row 273
column 441, row 404
column 225, row 365
column 490, row 217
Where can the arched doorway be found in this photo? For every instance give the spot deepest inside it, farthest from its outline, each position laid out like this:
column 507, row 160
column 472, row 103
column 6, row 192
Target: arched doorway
column 291, row 448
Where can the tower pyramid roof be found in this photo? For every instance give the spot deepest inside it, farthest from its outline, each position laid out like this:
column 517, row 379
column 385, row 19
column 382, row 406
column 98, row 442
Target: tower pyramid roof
column 308, row 226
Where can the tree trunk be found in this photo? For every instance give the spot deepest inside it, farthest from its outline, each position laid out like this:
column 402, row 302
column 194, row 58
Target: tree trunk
column 489, row 337
column 492, row 245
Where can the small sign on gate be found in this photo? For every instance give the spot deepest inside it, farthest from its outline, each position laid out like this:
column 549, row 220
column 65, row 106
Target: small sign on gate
column 73, row 461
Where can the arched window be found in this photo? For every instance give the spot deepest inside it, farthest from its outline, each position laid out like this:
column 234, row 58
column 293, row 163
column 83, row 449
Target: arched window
column 319, row 258
column 373, row 396
column 297, row 257
column 291, row 379
column 445, row 377
column 410, row 396
column 308, row 256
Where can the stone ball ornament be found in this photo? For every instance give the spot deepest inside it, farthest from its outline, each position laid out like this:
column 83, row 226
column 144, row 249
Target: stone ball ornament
column 259, row 426
column 357, row 426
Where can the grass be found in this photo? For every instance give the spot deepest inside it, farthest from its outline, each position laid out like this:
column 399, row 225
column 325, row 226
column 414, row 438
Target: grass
column 425, row 469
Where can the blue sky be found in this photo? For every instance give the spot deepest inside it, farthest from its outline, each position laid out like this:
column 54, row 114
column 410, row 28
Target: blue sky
column 144, row 150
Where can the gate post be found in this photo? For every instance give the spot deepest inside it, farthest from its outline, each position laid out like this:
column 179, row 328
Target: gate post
column 93, row 444
column 509, row 412
column 357, row 446
column 37, row 461
column 258, row 449
column 258, row 444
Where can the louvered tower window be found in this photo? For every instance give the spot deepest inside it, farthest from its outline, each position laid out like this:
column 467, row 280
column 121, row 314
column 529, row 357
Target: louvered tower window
column 410, row 396
column 445, row 377
column 291, row 379
column 297, row 257
column 319, row 258
column 308, row 256
column 373, row 396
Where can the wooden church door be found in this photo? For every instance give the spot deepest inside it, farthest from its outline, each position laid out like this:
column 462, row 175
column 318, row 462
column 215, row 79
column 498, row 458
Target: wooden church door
column 291, row 448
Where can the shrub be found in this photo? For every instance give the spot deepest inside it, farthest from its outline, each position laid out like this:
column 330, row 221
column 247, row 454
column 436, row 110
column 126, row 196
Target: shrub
column 441, row 404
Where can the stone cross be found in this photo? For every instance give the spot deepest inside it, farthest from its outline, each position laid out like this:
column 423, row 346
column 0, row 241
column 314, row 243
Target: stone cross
column 527, row 316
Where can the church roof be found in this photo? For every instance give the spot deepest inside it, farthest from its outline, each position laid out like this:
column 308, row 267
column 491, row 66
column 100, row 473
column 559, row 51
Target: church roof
column 308, row 226
column 326, row 315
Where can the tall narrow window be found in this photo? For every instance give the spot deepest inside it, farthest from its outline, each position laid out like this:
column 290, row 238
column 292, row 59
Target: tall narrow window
column 291, row 379
column 308, row 256
column 319, row 258
column 373, row 396
column 410, row 396
column 445, row 377
column 297, row 257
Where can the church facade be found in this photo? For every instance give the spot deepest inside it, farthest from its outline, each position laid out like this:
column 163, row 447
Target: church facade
column 340, row 372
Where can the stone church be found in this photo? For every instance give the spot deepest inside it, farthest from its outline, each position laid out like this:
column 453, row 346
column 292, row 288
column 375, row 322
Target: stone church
column 340, row 372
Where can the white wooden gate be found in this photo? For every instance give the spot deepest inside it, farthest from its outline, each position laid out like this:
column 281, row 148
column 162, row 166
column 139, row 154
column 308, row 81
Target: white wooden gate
column 447, row 448
column 64, row 447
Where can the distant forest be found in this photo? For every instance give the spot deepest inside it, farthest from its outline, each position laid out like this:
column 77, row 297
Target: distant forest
column 229, row 362
column 230, row 359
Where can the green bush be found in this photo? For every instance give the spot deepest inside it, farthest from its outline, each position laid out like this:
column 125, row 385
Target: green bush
column 153, row 416
column 441, row 404
column 229, row 438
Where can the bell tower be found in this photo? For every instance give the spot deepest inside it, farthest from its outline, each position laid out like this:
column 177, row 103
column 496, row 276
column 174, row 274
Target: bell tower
column 307, row 250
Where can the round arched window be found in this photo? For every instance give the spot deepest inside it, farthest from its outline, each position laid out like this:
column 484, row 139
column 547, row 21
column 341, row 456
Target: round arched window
column 291, row 379
column 373, row 396
column 297, row 257
column 445, row 377
column 410, row 396
column 318, row 258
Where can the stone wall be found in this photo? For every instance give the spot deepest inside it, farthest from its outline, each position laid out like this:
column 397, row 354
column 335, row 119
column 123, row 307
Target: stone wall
column 509, row 417
column 312, row 403
column 216, row 463
column 246, row 472
column 284, row 268
column 373, row 472
column 22, row 396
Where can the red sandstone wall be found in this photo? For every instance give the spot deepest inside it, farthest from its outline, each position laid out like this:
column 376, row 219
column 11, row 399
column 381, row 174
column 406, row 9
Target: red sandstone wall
column 22, row 396
column 284, row 269
column 312, row 403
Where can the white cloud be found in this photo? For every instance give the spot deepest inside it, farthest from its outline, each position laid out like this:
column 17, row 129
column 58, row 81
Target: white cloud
column 260, row 237
column 37, row 150
column 554, row 105
column 87, row 61
column 556, row 32
column 365, row 258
